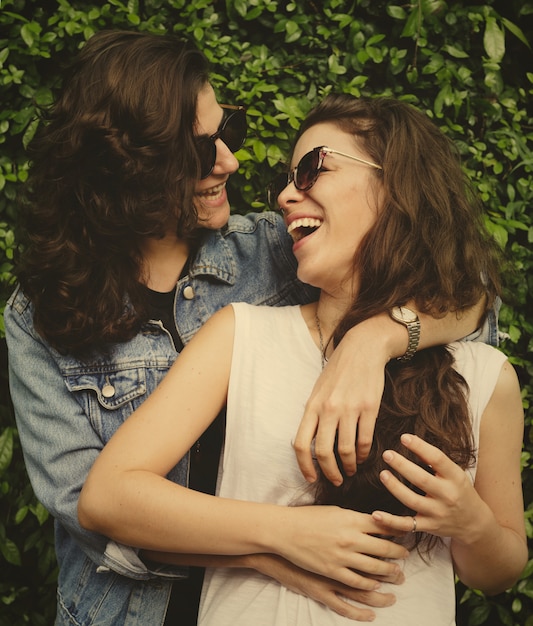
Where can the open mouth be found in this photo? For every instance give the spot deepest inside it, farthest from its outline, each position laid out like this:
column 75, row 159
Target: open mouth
column 213, row 192
column 303, row 227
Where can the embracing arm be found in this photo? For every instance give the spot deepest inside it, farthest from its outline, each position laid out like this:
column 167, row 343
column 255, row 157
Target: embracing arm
column 497, row 518
column 58, row 441
column 485, row 521
column 346, row 397
column 321, row 589
column 128, row 498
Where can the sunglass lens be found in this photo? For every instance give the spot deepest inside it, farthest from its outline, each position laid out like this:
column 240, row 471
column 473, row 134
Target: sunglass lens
column 307, row 171
column 207, row 153
column 234, row 132
column 275, row 188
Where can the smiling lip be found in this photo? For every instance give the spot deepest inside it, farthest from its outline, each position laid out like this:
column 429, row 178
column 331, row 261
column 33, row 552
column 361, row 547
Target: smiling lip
column 302, row 227
column 213, row 192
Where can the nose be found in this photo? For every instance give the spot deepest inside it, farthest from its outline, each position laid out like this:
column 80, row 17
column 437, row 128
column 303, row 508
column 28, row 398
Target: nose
column 289, row 196
column 226, row 162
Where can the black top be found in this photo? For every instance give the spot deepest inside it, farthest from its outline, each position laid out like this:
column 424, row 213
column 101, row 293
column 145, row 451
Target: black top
column 204, row 457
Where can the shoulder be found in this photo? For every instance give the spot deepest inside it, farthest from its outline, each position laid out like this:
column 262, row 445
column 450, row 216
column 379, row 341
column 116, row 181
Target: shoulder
column 251, row 222
column 476, row 355
column 18, row 302
column 19, row 312
column 480, row 365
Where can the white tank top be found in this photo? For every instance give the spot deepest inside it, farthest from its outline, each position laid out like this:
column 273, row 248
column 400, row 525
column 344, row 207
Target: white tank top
column 275, row 365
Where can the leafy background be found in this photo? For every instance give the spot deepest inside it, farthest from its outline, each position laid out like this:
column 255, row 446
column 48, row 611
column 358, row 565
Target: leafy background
column 469, row 65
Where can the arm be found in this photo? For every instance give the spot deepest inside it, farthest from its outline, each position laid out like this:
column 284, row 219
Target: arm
column 319, row 588
column 485, row 521
column 58, row 441
column 346, row 398
column 127, row 498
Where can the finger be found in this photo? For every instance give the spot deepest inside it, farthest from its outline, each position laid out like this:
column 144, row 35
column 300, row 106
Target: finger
column 396, row 579
column 364, row 566
column 335, row 601
column 365, row 433
column 429, row 454
column 325, row 450
column 346, row 444
column 402, row 523
column 338, row 605
column 402, row 492
column 427, row 480
column 370, row 598
column 303, row 445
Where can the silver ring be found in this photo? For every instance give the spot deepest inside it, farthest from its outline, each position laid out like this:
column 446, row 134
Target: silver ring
column 413, row 530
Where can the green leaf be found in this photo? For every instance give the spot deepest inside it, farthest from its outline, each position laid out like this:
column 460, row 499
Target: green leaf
column 10, row 552
column 396, row 12
column 494, row 40
column 6, row 449
column 27, row 35
column 411, row 27
column 3, row 56
column 517, row 32
column 260, row 150
column 456, row 52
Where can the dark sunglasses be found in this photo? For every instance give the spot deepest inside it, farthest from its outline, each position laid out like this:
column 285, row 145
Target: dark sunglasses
column 232, row 131
column 306, row 173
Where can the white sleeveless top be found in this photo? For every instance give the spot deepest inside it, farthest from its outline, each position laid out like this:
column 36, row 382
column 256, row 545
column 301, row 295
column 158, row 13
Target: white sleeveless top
column 275, row 365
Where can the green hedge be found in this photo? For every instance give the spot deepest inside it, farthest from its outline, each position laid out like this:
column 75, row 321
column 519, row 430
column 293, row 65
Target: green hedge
column 468, row 65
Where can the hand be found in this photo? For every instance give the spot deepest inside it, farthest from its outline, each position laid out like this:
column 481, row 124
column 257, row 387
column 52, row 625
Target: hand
column 338, row 544
column 450, row 505
column 329, row 592
column 345, row 402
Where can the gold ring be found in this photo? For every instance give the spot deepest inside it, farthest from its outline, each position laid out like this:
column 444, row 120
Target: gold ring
column 413, row 530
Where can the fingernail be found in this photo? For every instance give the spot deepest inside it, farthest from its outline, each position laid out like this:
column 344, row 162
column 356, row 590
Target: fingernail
column 384, row 476
column 387, row 456
column 406, row 438
column 377, row 516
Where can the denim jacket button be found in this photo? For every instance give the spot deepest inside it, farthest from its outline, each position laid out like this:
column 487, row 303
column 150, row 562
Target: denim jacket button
column 108, row 391
column 188, row 293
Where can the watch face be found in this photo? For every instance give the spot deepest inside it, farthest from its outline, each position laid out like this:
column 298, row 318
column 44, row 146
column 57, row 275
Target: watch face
column 404, row 314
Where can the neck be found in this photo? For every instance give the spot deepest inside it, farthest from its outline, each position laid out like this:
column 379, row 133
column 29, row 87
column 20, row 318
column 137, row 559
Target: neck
column 163, row 261
column 328, row 311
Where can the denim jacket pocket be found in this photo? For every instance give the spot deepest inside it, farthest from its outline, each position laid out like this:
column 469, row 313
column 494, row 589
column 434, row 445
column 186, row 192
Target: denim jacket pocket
column 108, row 397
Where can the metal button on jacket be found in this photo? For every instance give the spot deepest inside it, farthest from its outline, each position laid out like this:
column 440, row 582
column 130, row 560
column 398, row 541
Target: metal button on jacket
column 188, row 293
column 108, row 391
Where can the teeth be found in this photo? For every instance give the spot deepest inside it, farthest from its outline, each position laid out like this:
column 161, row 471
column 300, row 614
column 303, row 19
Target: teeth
column 305, row 222
column 213, row 191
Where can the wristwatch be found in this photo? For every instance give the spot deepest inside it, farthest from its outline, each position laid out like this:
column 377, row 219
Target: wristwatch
column 409, row 319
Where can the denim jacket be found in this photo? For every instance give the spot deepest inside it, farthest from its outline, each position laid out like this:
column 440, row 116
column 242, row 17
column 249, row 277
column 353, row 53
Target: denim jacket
column 67, row 409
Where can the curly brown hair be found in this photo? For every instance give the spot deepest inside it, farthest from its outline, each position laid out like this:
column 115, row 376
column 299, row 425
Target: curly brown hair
column 429, row 245
column 114, row 162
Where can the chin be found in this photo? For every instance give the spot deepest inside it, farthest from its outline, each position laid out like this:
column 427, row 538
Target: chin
column 216, row 221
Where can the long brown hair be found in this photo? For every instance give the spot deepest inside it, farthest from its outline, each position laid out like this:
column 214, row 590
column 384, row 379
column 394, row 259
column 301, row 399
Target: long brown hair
column 429, row 245
column 114, row 162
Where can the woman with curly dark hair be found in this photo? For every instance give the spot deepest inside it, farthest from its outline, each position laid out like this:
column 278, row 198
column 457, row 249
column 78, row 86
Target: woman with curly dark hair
column 380, row 214
column 129, row 248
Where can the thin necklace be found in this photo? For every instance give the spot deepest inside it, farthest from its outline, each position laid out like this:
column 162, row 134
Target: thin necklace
column 321, row 340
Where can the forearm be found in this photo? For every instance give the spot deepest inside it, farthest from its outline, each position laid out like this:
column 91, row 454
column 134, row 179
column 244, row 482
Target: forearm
column 336, row 596
column 455, row 325
column 490, row 557
column 175, row 519
column 247, row 561
column 147, row 511
column 434, row 331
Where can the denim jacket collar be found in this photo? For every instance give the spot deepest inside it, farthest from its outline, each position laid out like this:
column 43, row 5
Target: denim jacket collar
column 215, row 258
